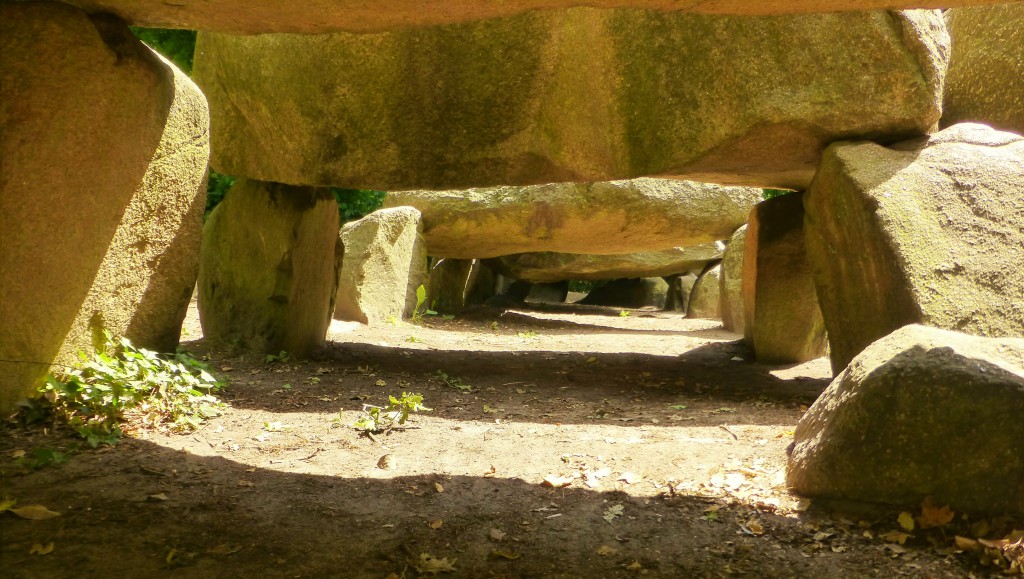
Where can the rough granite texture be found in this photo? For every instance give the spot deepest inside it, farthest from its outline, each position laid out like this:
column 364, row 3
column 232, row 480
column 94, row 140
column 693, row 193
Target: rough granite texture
column 577, row 95
column 732, row 282
column 384, row 262
column 705, row 296
column 985, row 83
column 268, row 273
column 928, row 231
column 616, row 217
column 103, row 153
column 546, row 267
column 920, row 413
column 318, row 16
column 782, row 319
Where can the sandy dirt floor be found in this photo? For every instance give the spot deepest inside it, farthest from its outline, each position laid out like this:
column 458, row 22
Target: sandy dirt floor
column 663, row 444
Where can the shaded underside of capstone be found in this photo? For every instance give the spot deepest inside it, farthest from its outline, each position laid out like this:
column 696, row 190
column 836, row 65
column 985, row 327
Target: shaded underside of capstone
column 320, row 16
column 547, row 267
column 578, row 95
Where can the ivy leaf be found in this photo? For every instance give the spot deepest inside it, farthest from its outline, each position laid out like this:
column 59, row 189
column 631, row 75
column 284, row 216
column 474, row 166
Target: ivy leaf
column 427, row 563
column 35, row 512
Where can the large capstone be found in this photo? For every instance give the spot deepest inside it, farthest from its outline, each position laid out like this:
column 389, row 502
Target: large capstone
column 986, row 69
column 103, row 152
column 782, row 318
column 317, row 16
column 268, row 276
column 546, row 267
column 577, row 95
column 921, row 413
column 640, row 215
column 928, row 231
column 384, row 262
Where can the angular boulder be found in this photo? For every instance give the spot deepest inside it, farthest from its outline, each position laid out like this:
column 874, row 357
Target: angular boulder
column 318, row 16
column 576, row 95
column 383, row 263
column 640, row 215
column 268, row 273
column 705, row 297
column 920, row 413
column 549, row 293
column 732, row 282
column 782, row 318
column 985, row 83
column 547, row 267
column 103, row 153
column 928, row 231
column 650, row 292
column 679, row 288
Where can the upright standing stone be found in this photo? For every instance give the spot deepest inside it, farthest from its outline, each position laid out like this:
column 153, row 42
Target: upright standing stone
column 927, row 231
column 705, row 297
column 268, row 276
column 985, row 83
column 103, row 152
column 449, row 282
column 732, row 282
column 384, row 262
column 783, row 322
column 649, row 292
column 679, row 289
column 577, row 95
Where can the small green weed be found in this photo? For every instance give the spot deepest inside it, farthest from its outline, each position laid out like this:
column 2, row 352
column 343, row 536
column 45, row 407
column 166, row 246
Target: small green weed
column 377, row 419
column 38, row 458
column 527, row 335
column 105, row 390
column 413, row 340
column 453, row 382
column 421, row 310
column 281, row 357
column 624, row 313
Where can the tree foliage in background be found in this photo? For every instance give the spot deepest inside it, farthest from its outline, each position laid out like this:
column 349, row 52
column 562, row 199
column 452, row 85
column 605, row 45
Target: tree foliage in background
column 178, row 46
column 772, row 193
column 357, row 203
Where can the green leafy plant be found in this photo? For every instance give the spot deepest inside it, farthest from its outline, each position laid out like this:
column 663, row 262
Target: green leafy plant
column 453, row 382
column 773, row 193
column 95, row 398
column 623, row 313
column 281, row 357
column 421, row 299
column 357, row 203
column 527, row 335
column 377, row 419
column 38, row 458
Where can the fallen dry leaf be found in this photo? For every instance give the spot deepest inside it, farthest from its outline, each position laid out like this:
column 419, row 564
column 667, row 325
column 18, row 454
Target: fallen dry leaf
column 35, row 512
column 557, row 482
column 755, row 527
column 605, row 550
column 224, row 549
column 497, row 535
column 158, row 497
column 38, row 549
column 634, row 566
column 629, row 477
column 438, row 487
column 933, row 516
column 895, row 537
column 16, row 453
column 612, row 512
column 435, row 524
column 510, row 555
column 906, row 520
column 427, row 563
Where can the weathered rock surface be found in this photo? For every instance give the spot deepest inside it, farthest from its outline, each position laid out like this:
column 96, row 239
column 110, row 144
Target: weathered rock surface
column 547, row 267
column 318, row 16
column 103, row 152
column 577, row 95
column 614, row 217
column 449, row 285
column 650, row 292
column 927, row 231
column 920, row 413
column 384, row 262
column 679, row 288
column 732, row 282
column 705, row 297
column 985, row 83
column 268, row 273
column 551, row 293
column 782, row 318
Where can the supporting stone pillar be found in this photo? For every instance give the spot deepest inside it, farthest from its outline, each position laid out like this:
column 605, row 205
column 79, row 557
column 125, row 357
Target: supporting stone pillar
column 267, row 277
column 449, row 279
column 781, row 312
column 705, row 297
column 732, row 282
column 103, row 154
